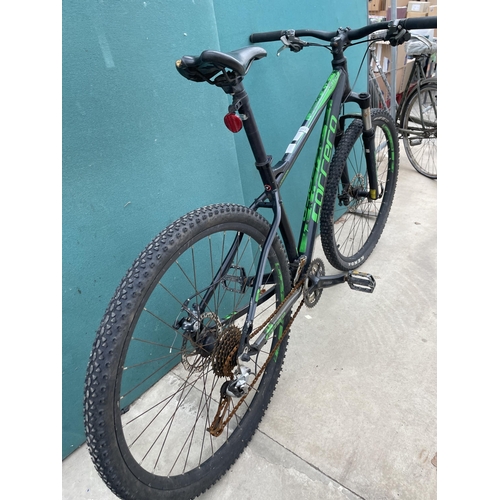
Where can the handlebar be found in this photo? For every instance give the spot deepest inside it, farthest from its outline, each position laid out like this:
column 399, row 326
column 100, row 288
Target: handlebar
column 350, row 35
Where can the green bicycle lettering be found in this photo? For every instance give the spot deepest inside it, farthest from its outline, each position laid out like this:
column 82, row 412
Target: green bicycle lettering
column 318, row 183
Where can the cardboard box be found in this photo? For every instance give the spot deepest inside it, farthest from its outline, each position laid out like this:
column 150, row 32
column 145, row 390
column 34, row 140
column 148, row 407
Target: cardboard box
column 383, row 52
column 400, row 13
column 406, row 75
column 402, row 77
column 398, row 3
column 376, row 5
column 377, row 17
column 417, row 9
column 409, row 15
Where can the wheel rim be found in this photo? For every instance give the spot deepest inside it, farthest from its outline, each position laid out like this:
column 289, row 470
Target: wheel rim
column 421, row 141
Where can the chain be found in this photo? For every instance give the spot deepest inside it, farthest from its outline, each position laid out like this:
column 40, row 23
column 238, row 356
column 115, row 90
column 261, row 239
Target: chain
column 219, row 423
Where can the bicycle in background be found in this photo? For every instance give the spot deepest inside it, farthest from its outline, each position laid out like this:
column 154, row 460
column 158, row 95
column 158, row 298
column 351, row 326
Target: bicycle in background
column 416, row 111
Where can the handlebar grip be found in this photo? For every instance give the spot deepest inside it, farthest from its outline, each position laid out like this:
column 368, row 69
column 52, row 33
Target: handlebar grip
column 411, row 23
column 415, row 23
column 266, row 36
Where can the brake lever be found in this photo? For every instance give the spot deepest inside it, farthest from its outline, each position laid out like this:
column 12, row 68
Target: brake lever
column 283, row 47
column 290, row 41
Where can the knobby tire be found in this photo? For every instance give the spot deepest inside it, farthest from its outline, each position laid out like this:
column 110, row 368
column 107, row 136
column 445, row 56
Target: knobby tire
column 150, row 392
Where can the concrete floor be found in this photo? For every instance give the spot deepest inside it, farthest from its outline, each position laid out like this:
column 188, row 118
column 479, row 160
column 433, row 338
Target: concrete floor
column 354, row 414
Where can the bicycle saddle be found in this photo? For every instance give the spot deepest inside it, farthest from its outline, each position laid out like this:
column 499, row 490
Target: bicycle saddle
column 210, row 62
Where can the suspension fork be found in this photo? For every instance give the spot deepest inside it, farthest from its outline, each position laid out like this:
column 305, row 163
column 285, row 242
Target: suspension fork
column 368, row 137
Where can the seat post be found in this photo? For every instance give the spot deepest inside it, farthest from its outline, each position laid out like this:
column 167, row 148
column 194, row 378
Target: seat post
column 233, row 86
column 241, row 103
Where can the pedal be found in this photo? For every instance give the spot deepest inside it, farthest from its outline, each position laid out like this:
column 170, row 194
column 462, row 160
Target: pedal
column 416, row 141
column 237, row 281
column 362, row 282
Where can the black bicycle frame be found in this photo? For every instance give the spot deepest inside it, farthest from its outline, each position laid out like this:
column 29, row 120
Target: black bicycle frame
column 334, row 93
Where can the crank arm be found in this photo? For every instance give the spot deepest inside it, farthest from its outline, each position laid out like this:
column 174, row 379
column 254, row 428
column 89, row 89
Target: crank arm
column 326, row 281
column 362, row 282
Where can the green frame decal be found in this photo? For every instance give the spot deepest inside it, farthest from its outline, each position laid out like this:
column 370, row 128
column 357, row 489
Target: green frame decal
column 323, row 158
column 391, row 145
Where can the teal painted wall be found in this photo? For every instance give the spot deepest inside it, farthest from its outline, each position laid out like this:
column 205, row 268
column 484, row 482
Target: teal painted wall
column 142, row 146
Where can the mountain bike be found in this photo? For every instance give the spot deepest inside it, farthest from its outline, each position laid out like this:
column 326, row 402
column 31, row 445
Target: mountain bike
column 190, row 348
column 416, row 112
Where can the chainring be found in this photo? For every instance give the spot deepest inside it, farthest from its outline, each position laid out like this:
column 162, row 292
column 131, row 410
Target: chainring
column 316, row 269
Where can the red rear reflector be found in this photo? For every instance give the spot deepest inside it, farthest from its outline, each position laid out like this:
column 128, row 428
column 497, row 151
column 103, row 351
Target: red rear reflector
column 233, row 122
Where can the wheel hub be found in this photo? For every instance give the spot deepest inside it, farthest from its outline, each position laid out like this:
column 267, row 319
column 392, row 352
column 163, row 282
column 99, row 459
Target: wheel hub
column 357, row 188
column 204, row 341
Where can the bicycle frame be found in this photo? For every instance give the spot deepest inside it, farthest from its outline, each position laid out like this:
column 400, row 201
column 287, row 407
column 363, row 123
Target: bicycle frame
column 334, row 93
column 330, row 97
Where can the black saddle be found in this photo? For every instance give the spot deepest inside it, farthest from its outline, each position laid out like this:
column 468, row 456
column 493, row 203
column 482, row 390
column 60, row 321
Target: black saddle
column 210, row 62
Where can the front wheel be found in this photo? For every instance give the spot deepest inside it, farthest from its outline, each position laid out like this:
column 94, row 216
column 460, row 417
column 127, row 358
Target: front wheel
column 419, row 128
column 164, row 354
column 351, row 222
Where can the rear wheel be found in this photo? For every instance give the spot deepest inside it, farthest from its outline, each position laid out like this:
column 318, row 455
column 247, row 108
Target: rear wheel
column 419, row 128
column 165, row 348
column 351, row 223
